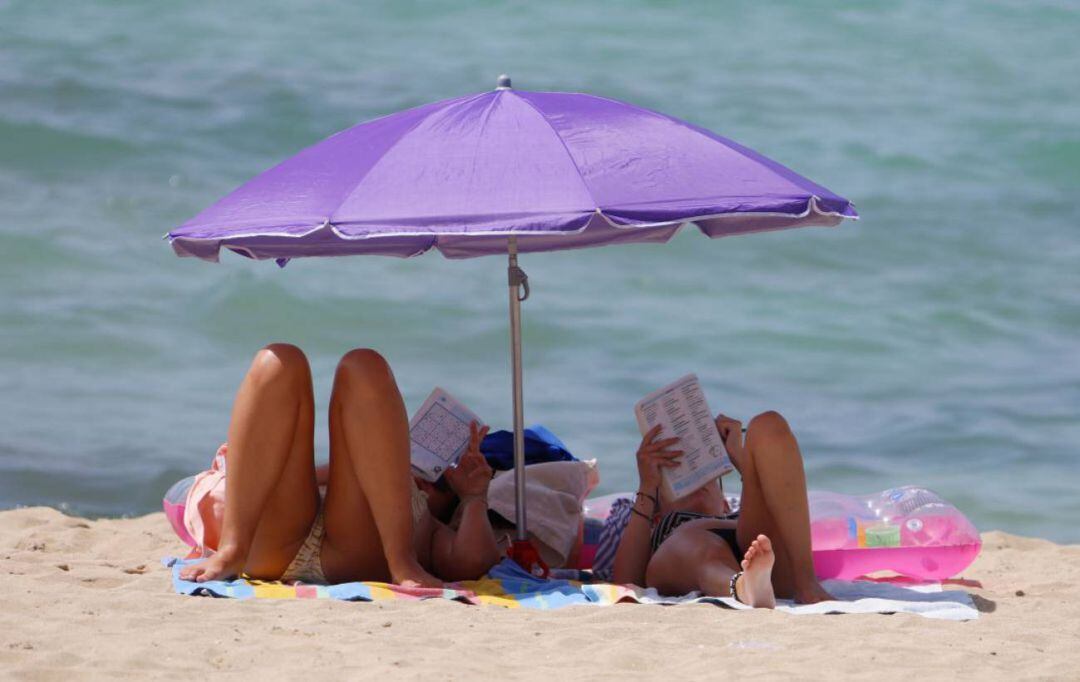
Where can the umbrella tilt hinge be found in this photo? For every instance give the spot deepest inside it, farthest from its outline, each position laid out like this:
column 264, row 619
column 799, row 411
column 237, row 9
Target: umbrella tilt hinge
column 517, row 279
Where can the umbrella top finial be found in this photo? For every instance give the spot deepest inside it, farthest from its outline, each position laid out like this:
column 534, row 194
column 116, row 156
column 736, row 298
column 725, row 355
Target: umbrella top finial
column 503, row 82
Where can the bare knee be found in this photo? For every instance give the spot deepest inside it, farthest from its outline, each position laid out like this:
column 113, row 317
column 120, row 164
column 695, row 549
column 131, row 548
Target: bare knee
column 280, row 362
column 768, row 424
column 769, row 438
column 364, row 368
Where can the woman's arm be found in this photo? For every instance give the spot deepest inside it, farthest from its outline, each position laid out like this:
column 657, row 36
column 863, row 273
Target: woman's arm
column 471, row 550
column 632, row 556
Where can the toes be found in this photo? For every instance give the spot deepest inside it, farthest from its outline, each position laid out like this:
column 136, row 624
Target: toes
column 203, row 574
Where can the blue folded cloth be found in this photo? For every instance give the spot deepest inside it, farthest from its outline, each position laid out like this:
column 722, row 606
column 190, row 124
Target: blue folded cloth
column 541, row 445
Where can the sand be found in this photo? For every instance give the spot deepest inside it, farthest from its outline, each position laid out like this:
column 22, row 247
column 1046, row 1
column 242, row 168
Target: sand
column 91, row 599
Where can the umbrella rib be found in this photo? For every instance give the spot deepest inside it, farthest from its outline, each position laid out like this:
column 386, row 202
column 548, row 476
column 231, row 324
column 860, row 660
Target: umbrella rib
column 416, row 124
column 566, row 149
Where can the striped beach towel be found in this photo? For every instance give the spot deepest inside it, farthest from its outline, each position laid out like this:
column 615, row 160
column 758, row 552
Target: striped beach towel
column 509, row 586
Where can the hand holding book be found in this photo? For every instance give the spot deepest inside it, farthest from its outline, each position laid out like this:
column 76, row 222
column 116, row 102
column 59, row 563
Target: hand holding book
column 731, row 433
column 470, row 477
column 653, row 456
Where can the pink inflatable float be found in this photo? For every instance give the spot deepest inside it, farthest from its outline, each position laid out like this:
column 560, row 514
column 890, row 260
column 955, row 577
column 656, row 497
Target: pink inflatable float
column 909, row 530
column 175, row 504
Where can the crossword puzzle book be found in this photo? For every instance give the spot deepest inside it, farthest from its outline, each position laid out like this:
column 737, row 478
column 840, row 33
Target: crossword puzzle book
column 439, row 434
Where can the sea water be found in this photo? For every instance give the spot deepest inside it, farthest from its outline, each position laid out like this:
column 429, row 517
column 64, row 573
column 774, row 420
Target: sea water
column 933, row 343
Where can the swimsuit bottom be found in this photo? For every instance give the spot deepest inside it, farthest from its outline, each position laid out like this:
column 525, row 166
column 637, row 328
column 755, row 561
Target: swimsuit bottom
column 306, row 566
column 673, row 520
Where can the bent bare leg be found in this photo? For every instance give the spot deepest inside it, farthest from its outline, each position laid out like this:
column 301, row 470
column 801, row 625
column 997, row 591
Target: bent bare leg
column 695, row 560
column 270, row 493
column 368, row 513
column 774, row 503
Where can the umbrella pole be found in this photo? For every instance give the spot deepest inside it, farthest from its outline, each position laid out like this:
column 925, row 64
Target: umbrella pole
column 519, row 291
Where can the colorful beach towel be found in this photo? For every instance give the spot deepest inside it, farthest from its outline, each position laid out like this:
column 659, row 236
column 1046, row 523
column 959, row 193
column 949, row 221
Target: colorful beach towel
column 509, row 586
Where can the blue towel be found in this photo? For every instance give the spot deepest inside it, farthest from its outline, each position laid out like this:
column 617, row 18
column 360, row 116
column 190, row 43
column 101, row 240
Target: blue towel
column 541, row 445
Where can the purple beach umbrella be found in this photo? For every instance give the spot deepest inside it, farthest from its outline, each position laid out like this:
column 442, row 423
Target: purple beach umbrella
column 507, row 172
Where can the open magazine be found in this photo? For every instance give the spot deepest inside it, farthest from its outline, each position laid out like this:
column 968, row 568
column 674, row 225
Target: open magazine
column 439, row 434
column 682, row 412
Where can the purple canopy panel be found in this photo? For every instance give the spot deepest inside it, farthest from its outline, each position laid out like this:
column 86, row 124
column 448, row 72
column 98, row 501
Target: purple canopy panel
column 554, row 170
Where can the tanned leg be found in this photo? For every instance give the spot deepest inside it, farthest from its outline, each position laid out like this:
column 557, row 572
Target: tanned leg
column 774, row 503
column 695, row 560
column 270, row 493
column 368, row 513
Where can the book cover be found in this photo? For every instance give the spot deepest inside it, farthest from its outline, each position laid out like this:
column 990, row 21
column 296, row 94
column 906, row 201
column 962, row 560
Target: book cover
column 439, row 434
column 682, row 411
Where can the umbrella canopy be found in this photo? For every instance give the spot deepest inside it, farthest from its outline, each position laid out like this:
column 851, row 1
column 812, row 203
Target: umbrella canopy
column 555, row 170
column 502, row 172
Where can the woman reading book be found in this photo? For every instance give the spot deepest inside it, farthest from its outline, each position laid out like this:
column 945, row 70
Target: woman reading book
column 695, row 544
column 374, row 523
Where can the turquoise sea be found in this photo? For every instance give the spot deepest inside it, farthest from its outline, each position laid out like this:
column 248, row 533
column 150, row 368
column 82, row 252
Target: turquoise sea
column 935, row 342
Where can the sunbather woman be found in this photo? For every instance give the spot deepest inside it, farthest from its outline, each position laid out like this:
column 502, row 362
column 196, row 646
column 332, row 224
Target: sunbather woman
column 694, row 544
column 374, row 523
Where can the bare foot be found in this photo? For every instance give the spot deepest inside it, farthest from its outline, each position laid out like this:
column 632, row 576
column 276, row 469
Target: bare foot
column 411, row 574
column 754, row 586
column 812, row 593
column 225, row 564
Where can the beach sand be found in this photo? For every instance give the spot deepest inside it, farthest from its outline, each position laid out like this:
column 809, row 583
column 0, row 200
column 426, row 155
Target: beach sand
column 91, row 599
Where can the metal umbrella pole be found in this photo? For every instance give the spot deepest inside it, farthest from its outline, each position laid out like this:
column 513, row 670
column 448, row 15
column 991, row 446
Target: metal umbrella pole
column 519, row 291
column 522, row 550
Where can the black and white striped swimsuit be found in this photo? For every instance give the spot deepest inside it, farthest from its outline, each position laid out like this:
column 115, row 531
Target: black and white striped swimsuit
column 672, row 520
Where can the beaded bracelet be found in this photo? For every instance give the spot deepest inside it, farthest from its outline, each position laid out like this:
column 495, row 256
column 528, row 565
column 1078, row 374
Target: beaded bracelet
column 734, row 579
